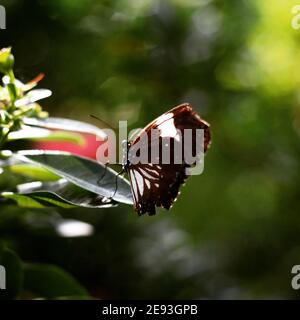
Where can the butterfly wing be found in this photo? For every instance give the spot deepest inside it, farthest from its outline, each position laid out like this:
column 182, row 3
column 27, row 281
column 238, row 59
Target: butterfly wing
column 157, row 184
column 180, row 117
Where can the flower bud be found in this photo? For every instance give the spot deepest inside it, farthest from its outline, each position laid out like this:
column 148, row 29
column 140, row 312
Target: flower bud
column 6, row 60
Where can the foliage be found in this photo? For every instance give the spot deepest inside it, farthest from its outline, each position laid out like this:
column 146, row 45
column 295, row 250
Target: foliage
column 22, row 118
column 54, row 179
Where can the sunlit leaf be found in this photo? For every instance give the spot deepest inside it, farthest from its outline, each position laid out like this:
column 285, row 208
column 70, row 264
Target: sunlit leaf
column 42, row 134
column 33, row 96
column 38, row 200
column 85, row 173
column 22, row 200
column 33, row 171
column 60, row 194
column 66, row 124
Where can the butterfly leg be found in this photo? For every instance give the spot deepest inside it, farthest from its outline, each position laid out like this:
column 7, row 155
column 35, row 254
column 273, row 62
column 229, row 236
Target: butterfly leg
column 116, row 182
column 103, row 174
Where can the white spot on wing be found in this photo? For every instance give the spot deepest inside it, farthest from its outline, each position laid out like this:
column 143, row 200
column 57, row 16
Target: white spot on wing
column 140, row 182
column 151, row 171
column 133, row 184
column 168, row 129
column 147, row 175
column 147, row 183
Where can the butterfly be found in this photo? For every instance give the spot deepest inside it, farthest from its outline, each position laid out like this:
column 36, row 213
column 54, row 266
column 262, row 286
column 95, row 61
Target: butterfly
column 157, row 183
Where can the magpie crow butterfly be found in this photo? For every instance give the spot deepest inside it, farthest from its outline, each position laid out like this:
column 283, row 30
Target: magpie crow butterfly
column 157, row 184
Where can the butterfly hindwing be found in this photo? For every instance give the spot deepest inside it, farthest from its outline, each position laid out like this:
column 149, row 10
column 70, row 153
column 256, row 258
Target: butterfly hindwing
column 155, row 186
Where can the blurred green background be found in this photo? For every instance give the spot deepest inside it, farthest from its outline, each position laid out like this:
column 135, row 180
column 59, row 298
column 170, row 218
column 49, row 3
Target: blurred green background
column 235, row 230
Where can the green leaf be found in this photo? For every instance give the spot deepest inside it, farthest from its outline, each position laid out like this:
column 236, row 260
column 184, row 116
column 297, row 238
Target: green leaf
column 50, row 281
column 59, row 194
column 42, row 134
column 65, row 124
column 21, row 200
column 14, row 274
column 85, row 173
column 33, row 171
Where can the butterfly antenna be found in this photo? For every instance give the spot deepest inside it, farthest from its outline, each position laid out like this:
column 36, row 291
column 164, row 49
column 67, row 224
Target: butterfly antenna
column 105, row 125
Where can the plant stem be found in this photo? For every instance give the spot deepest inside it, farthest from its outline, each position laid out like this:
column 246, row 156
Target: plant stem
column 11, row 76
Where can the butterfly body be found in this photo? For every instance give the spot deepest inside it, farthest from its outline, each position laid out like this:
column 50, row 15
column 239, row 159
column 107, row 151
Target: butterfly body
column 155, row 182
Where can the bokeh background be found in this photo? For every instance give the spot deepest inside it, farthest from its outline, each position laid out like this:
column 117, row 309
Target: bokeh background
column 234, row 232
